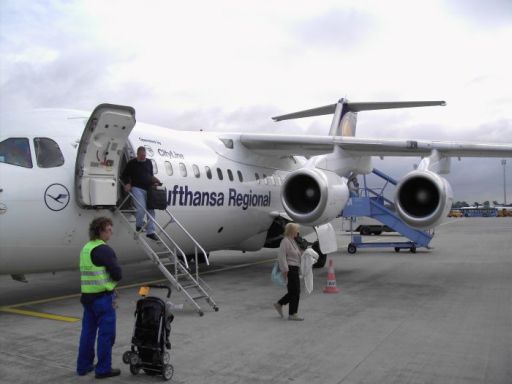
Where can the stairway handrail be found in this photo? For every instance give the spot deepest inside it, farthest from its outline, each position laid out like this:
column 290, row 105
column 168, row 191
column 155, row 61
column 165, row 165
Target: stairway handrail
column 156, row 224
column 196, row 243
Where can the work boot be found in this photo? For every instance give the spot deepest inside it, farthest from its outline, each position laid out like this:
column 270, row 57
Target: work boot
column 279, row 309
column 152, row 236
column 90, row 369
column 112, row 373
column 138, row 229
column 295, row 317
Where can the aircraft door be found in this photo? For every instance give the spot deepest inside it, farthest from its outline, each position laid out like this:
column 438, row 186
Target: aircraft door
column 99, row 155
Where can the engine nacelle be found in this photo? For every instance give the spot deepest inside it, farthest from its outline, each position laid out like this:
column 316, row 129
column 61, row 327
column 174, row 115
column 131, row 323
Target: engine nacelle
column 423, row 199
column 313, row 196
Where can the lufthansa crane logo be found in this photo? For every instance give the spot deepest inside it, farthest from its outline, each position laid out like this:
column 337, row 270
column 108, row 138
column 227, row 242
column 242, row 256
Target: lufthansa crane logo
column 56, row 197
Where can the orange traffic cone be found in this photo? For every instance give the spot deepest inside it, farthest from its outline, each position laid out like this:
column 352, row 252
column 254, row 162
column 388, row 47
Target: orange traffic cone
column 331, row 280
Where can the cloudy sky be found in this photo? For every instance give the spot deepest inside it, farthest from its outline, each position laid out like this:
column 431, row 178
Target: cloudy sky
column 231, row 65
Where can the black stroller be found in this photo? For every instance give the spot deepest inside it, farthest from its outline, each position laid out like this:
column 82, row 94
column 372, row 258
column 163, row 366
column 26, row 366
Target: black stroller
column 150, row 340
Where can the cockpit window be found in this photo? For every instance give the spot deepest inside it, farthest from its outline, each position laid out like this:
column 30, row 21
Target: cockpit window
column 16, row 151
column 48, row 154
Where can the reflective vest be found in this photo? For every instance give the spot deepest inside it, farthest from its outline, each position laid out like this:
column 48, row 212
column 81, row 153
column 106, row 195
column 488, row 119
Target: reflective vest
column 94, row 279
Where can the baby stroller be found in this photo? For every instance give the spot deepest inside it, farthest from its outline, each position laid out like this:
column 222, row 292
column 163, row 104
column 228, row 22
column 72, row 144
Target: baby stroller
column 150, row 340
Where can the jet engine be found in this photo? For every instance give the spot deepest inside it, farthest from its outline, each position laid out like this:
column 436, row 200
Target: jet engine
column 423, row 199
column 313, row 196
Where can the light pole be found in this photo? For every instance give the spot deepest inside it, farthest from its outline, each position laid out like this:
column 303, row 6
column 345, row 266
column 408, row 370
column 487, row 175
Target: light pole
column 504, row 163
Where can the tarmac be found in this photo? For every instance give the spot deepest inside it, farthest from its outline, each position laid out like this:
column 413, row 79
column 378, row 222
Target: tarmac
column 440, row 315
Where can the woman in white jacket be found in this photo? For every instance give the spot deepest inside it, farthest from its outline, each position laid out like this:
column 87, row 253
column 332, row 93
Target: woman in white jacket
column 289, row 263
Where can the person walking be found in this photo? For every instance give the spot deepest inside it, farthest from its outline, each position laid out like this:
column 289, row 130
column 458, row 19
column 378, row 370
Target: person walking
column 139, row 179
column 289, row 263
column 99, row 275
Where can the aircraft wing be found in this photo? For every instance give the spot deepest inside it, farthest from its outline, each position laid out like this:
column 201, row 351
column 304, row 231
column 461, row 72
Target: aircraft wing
column 306, row 145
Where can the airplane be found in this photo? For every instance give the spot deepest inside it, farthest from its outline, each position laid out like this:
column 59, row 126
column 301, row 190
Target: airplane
column 60, row 168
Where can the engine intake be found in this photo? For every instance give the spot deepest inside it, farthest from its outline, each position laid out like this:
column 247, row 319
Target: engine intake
column 423, row 199
column 313, row 196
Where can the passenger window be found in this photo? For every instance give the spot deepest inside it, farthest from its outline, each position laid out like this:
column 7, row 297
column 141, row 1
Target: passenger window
column 183, row 170
column 230, row 175
column 155, row 167
column 264, row 176
column 168, row 168
column 48, row 154
column 271, row 180
column 265, row 180
column 278, row 180
column 195, row 168
column 208, row 172
column 257, row 176
column 219, row 174
column 16, row 151
column 240, row 177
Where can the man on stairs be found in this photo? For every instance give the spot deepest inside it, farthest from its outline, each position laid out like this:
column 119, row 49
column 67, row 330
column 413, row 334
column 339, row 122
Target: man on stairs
column 139, row 179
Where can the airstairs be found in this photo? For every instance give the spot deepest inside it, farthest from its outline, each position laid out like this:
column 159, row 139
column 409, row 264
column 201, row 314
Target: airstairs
column 167, row 255
column 370, row 202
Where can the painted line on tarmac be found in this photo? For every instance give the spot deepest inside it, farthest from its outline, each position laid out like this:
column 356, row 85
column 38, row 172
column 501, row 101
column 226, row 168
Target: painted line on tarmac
column 15, row 307
column 42, row 315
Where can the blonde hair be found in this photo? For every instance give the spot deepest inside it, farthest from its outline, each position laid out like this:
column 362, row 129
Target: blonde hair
column 291, row 228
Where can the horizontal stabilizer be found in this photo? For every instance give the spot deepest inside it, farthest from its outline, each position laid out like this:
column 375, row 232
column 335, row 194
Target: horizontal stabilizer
column 357, row 107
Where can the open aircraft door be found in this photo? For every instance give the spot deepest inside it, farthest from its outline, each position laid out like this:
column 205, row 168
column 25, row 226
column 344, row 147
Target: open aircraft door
column 99, row 155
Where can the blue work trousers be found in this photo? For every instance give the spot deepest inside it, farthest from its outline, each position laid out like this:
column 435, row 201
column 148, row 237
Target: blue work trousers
column 99, row 317
column 141, row 200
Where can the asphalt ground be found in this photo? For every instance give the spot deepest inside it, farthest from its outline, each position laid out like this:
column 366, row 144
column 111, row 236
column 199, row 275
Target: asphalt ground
column 442, row 315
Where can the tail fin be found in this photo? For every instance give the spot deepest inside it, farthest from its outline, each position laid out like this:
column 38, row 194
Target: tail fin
column 344, row 120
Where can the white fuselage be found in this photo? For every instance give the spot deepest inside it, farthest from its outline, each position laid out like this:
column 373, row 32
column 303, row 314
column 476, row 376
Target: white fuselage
column 38, row 234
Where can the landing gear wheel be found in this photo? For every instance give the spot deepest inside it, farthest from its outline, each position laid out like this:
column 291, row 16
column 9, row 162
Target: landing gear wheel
column 134, row 369
column 413, row 249
column 216, row 309
column 397, row 249
column 167, row 371
column 126, row 357
column 351, row 248
column 322, row 257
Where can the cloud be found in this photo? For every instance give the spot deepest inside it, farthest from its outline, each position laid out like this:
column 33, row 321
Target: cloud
column 490, row 13
column 339, row 29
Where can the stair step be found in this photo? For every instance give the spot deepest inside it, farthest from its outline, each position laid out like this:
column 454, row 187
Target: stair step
column 164, row 253
column 190, row 286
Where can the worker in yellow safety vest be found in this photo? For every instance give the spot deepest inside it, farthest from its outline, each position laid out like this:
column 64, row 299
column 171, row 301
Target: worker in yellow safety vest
column 99, row 274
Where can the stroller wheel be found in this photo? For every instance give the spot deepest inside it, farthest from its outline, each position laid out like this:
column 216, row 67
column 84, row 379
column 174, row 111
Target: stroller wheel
column 134, row 369
column 134, row 359
column 127, row 357
column 167, row 371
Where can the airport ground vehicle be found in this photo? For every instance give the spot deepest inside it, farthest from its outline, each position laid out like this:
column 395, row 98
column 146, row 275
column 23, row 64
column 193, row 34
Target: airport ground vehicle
column 504, row 212
column 455, row 213
column 373, row 229
column 479, row 212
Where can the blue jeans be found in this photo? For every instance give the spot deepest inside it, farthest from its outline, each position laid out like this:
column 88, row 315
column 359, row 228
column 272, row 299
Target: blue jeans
column 141, row 199
column 99, row 317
